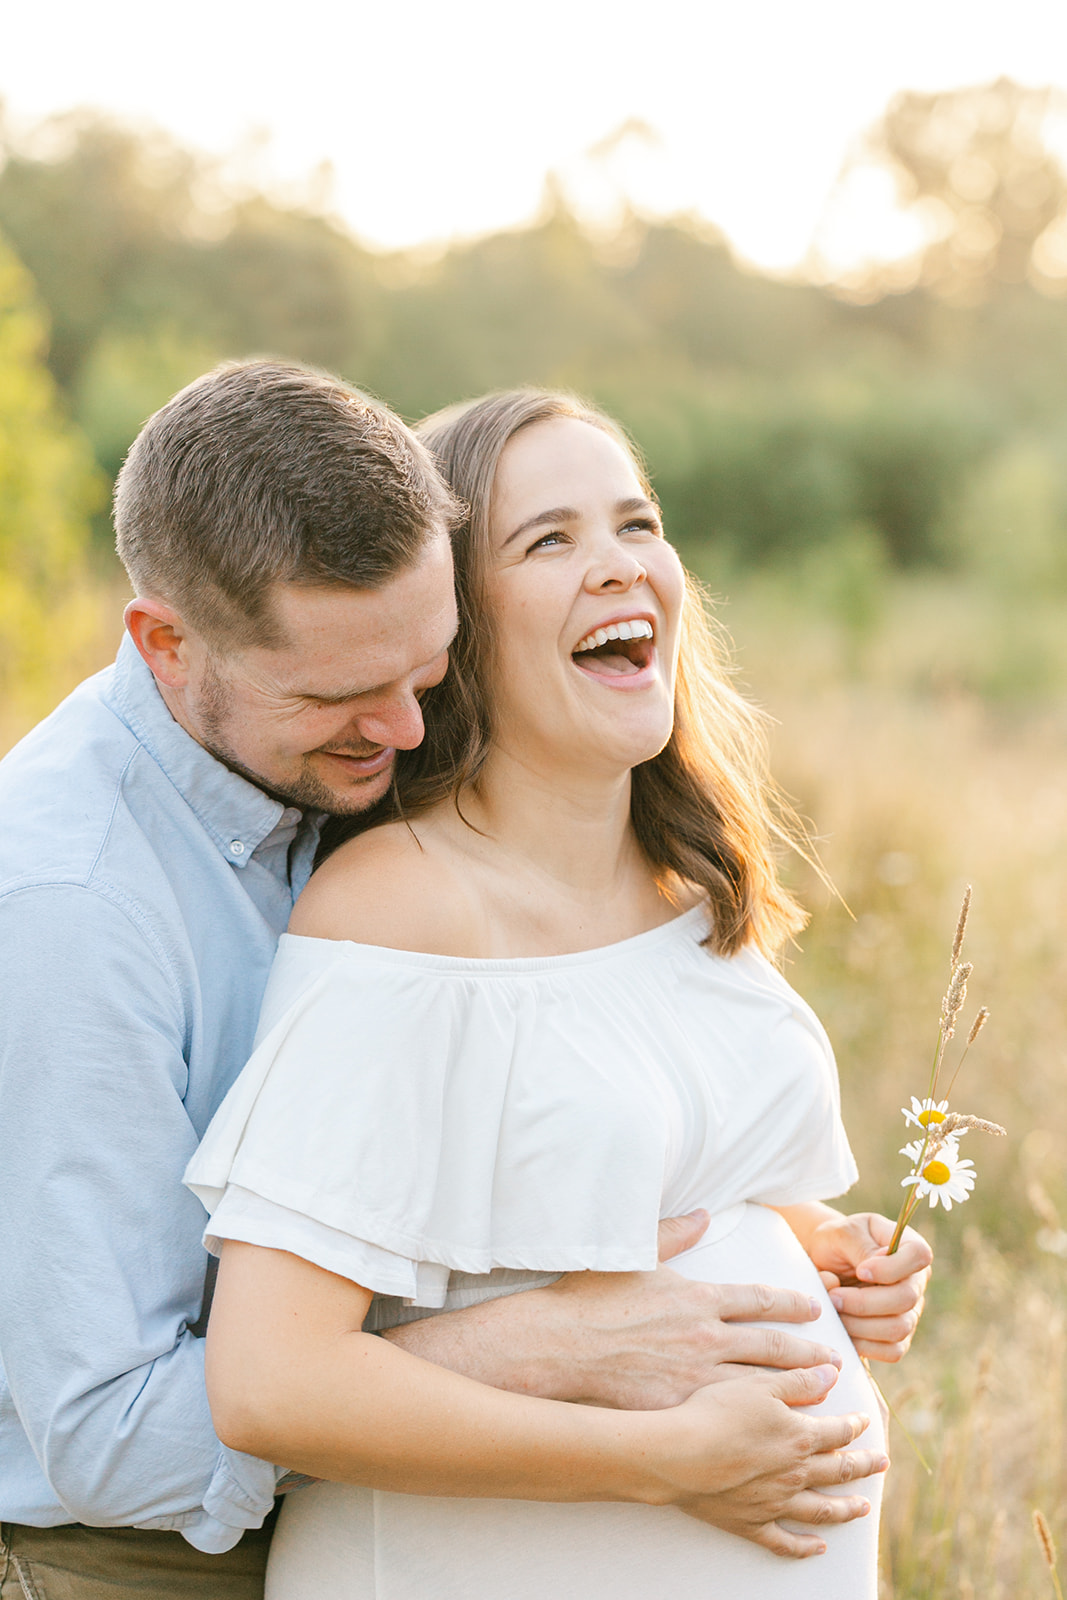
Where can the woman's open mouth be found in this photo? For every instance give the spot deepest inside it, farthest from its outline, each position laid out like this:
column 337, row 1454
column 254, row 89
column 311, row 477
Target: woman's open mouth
column 621, row 651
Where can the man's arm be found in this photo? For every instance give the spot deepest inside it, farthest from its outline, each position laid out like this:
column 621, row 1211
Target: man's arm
column 100, row 1254
column 637, row 1341
column 292, row 1375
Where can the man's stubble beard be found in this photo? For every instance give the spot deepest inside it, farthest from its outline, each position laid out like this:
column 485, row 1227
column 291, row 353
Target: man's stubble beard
column 307, row 792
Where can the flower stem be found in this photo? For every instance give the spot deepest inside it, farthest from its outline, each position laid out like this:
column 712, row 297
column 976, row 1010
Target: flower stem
column 907, row 1210
column 939, row 1051
column 911, row 1199
column 955, row 1075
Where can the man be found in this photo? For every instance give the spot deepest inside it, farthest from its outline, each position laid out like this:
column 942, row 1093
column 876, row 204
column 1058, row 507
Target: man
column 288, row 542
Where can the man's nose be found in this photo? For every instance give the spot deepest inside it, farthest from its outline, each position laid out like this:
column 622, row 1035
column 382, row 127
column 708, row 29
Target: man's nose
column 396, row 722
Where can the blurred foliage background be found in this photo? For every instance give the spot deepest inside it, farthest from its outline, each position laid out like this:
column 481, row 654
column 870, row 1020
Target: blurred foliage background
column 871, row 475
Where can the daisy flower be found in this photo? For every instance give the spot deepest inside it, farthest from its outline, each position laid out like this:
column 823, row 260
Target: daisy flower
column 924, row 1113
column 945, row 1177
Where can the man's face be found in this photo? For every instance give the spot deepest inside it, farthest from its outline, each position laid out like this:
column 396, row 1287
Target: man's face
column 317, row 720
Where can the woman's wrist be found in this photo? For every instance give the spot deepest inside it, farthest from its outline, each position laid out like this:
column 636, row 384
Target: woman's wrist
column 640, row 1452
column 806, row 1218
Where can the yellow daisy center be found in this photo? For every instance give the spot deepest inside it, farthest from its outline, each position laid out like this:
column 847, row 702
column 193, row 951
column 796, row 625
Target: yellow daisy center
column 932, row 1115
column 936, row 1172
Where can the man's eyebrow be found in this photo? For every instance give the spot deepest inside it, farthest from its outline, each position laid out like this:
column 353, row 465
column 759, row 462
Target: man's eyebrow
column 342, row 695
column 337, row 699
column 569, row 514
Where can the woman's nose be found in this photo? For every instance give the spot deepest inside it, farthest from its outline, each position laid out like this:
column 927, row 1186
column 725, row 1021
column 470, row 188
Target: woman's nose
column 617, row 570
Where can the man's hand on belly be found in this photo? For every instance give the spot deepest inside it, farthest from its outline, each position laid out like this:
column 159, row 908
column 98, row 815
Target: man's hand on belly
column 638, row 1341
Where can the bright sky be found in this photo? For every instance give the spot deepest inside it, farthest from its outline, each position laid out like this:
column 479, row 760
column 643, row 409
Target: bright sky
column 442, row 117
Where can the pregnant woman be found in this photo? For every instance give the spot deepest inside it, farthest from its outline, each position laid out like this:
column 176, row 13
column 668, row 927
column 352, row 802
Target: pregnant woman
column 510, row 1029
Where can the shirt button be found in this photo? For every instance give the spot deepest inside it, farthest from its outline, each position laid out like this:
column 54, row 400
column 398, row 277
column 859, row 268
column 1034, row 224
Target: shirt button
column 236, row 847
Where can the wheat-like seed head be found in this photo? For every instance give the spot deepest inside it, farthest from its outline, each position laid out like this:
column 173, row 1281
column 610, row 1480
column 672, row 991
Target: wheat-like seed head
column 1044, row 1538
column 955, row 995
column 961, row 926
column 957, row 1122
column 978, row 1024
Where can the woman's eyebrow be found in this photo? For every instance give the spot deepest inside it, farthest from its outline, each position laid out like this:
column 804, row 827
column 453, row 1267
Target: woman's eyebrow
column 637, row 503
column 557, row 514
column 569, row 514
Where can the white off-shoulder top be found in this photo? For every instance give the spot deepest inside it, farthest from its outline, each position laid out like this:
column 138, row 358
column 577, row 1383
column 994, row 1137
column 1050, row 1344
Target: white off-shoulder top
column 407, row 1116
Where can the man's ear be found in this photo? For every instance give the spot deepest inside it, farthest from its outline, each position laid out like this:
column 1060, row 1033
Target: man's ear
column 162, row 638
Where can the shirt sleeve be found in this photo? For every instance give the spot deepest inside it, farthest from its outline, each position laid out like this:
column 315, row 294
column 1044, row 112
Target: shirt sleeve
column 254, row 1220
column 806, row 1148
column 100, row 1253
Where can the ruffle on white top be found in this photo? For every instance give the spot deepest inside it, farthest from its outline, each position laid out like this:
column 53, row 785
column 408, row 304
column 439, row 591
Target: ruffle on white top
column 407, row 1115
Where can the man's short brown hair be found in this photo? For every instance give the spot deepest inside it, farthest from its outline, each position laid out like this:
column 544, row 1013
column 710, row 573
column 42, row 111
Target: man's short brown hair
column 263, row 472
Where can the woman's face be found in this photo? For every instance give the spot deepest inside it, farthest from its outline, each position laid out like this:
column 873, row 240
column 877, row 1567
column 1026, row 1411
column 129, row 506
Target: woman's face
column 586, row 596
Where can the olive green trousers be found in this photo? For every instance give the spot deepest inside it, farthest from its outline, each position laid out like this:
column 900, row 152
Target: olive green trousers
column 79, row 1563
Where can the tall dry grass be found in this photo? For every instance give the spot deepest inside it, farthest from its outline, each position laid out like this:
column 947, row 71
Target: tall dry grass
column 920, row 777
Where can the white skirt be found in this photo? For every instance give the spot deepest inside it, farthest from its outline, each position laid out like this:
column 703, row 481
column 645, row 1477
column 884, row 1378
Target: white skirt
column 334, row 1542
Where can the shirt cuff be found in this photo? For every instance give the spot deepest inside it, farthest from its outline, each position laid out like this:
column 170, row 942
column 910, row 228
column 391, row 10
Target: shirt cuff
column 240, row 1495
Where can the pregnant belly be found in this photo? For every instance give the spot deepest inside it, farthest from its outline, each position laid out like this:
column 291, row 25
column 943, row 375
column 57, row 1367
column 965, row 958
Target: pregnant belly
column 752, row 1244
column 339, row 1543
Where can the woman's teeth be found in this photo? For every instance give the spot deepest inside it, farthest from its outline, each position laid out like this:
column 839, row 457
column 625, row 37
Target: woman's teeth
column 637, row 629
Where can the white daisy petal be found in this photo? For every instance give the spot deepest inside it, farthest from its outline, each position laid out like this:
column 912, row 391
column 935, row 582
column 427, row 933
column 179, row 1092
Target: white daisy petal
column 924, row 1112
column 947, row 1178
column 914, row 1150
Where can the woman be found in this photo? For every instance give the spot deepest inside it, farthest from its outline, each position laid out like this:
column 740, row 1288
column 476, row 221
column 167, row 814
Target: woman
column 508, row 1031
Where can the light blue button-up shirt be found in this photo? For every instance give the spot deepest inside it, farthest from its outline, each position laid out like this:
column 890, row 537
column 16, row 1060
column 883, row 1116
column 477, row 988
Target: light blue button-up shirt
column 143, row 887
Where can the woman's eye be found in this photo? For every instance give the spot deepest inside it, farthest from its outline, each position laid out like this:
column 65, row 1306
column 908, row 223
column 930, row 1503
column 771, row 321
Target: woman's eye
column 547, row 540
column 643, row 525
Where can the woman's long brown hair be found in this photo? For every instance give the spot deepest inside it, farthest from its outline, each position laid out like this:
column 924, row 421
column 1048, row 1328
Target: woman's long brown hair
column 704, row 810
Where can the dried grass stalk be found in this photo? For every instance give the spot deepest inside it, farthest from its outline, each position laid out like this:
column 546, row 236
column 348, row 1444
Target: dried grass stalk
column 978, row 1024
column 954, row 997
column 1048, row 1549
column 961, row 926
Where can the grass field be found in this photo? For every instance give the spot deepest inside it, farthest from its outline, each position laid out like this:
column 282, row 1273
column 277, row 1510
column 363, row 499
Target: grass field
column 929, row 754
column 923, row 730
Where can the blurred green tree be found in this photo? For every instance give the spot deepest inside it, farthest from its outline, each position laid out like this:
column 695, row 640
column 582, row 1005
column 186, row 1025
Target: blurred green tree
column 776, row 416
column 152, row 270
column 1010, row 523
column 49, row 486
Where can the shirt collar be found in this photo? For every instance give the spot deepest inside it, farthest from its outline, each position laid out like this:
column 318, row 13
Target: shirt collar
column 233, row 812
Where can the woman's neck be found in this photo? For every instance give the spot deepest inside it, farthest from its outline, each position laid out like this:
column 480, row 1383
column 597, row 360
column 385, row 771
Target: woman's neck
column 572, row 830
column 552, row 861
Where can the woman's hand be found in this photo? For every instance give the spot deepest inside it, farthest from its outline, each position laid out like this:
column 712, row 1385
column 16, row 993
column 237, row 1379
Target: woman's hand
column 771, row 1459
column 879, row 1296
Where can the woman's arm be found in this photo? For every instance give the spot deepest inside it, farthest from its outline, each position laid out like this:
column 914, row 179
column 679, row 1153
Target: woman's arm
column 880, row 1319
column 292, row 1378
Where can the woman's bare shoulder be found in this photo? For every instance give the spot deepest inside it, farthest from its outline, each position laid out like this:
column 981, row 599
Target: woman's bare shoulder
column 396, row 886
